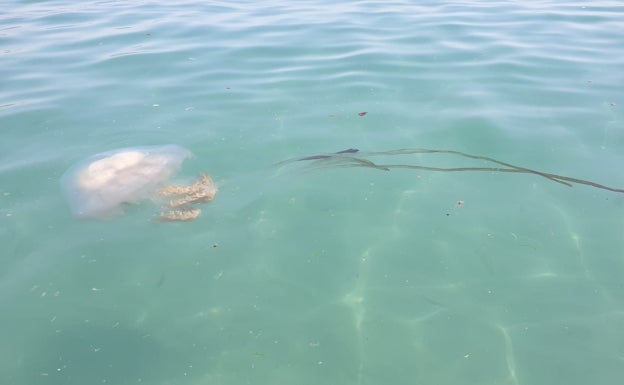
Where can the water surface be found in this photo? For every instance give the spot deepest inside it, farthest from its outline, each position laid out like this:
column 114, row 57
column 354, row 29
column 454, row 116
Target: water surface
column 337, row 276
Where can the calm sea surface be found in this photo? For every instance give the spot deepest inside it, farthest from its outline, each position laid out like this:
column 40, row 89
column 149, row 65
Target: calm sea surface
column 317, row 271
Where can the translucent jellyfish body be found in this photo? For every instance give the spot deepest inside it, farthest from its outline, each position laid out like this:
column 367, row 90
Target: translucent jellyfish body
column 99, row 186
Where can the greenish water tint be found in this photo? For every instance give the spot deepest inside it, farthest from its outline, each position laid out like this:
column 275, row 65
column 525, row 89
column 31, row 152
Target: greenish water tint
column 335, row 275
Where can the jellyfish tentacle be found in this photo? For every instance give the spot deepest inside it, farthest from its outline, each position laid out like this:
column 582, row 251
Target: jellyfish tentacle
column 184, row 213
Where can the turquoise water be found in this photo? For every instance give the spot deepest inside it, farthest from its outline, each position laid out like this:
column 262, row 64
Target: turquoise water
column 332, row 275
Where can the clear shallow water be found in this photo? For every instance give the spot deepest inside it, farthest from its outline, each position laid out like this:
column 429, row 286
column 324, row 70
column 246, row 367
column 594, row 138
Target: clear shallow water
column 342, row 276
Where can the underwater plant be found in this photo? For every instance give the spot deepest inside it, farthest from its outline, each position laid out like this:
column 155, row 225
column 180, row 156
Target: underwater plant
column 354, row 158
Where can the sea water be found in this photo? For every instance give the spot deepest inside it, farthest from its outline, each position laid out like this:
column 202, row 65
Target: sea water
column 317, row 272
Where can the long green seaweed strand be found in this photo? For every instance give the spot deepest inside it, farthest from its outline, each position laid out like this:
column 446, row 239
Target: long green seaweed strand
column 346, row 158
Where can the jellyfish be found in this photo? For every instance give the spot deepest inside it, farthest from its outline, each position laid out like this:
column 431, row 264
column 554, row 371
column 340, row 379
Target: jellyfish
column 100, row 186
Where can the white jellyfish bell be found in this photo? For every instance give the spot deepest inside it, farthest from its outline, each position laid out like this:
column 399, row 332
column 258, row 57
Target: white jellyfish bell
column 99, row 186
